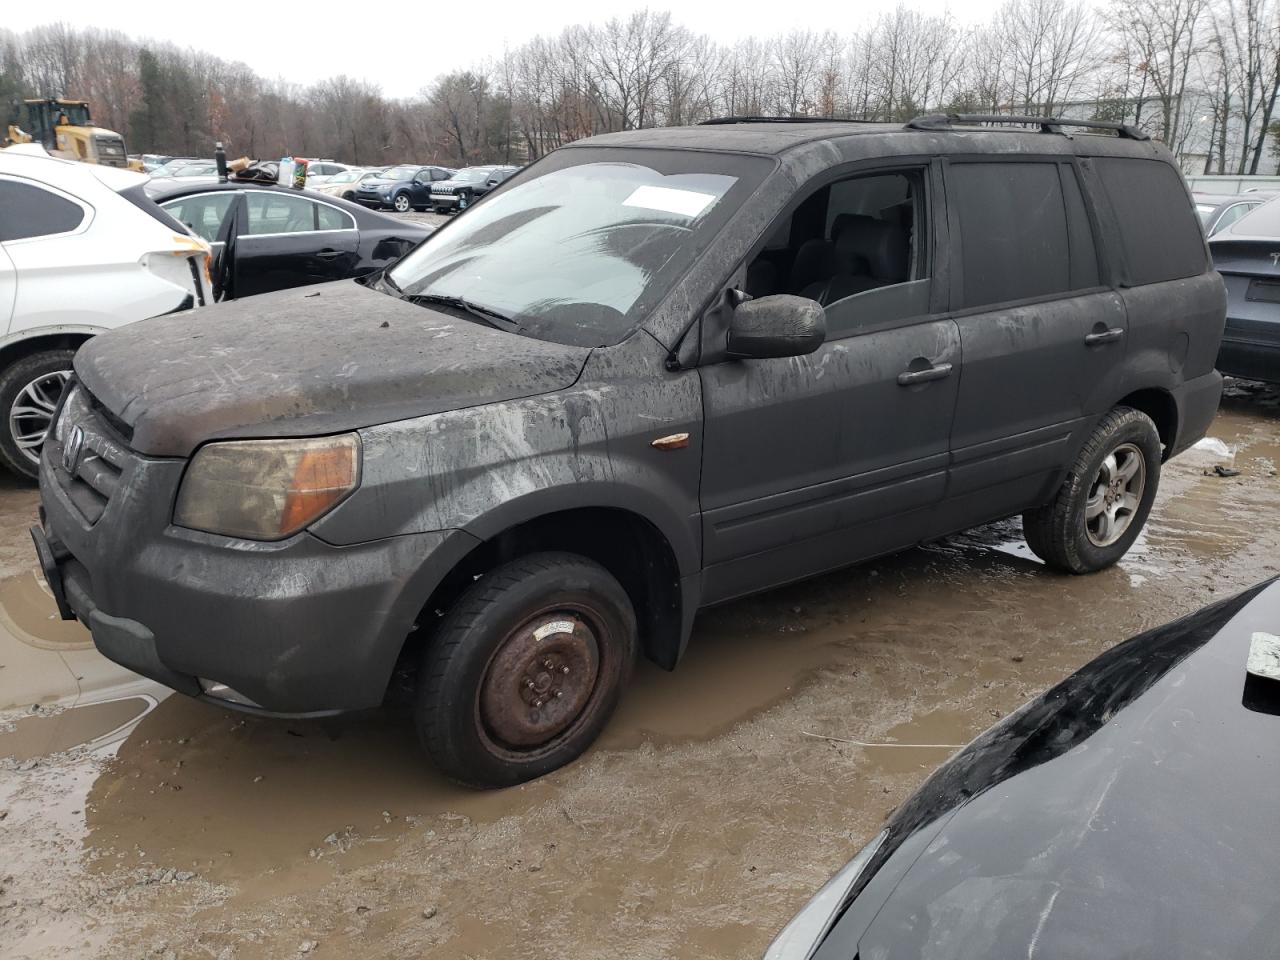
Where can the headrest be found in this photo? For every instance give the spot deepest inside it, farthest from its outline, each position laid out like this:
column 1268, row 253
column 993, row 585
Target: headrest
column 882, row 246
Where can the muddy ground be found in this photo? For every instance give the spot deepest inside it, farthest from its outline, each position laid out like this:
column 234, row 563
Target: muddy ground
column 721, row 796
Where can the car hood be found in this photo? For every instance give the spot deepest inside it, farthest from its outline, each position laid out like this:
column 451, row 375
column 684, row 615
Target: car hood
column 1129, row 811
column 379, row 182
column 306, row 362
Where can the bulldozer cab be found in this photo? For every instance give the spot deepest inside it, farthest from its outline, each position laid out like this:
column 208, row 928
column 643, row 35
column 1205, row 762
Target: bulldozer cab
column 41, row 118
column 65, row 128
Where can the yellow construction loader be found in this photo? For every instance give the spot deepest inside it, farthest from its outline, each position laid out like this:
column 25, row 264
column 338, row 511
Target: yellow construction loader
column 66, row 130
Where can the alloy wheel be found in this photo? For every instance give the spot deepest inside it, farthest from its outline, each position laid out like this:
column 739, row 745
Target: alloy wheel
column 1115, row 495
column 31, row 413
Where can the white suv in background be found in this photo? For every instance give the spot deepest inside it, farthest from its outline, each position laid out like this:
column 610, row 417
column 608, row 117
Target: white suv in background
column 82, row 250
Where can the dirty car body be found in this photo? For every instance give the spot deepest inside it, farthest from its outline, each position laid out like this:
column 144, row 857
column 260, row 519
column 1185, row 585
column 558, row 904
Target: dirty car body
column 1049, row 833
column 648, row 395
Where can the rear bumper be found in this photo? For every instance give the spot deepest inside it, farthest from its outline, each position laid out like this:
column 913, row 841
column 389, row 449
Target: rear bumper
column 1251, row 349
column 1197, row 403
column 296, row 627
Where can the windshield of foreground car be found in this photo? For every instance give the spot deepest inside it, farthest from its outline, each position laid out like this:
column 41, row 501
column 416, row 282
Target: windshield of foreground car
column 587, row 243
column 398, row 173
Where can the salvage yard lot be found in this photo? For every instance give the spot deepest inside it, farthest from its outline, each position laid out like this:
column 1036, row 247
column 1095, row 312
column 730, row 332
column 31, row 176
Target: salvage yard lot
column 718, row 799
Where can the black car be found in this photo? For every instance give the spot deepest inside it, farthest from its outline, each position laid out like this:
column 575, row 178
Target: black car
column 1247, row 254
column 268, row 237
column 403, row 188
column 1129, row 812
column 670, row 368
column 467, row 185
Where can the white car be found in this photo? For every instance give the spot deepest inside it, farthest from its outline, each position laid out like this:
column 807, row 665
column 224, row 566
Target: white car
column 82, row 250
column 319, row 171
column 342, row 184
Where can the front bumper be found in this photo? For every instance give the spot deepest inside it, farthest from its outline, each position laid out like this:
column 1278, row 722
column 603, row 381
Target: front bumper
column 446, row 200
column 300, row 626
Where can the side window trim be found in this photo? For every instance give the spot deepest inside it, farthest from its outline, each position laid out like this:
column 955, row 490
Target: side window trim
column 87, row 211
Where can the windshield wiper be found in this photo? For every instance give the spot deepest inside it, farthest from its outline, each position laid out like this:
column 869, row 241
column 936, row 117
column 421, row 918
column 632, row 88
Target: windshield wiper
column 495, row 318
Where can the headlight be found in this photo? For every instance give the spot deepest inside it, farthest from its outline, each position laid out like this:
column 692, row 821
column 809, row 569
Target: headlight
column 58, row 424
column 801, row 937
column 266, row 489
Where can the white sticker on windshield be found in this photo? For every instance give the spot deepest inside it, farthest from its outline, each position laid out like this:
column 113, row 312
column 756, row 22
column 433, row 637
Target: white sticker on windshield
column 686, row 203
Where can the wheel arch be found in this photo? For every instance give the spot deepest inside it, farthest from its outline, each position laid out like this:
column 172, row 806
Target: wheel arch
column 27, row 342
column 1160, row 405
column 626, row 543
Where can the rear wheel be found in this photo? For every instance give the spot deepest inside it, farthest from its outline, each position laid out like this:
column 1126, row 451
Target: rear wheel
column 1104, row 502
column 525, row 670
column 29, row 392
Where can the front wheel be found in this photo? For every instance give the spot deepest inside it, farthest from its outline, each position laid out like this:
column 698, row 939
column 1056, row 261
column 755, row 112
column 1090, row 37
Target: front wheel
column 401, row 203
column 29, row 392
column 1104, row 502
column 525, row 669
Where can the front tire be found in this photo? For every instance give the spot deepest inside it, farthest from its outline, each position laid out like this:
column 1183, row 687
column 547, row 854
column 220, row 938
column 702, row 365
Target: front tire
column 401, row 203
column 1104, row 501
column 525, row 670
column 29, row 392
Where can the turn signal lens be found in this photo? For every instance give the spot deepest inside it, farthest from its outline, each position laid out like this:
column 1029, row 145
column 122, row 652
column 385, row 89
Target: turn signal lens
column 266, row 489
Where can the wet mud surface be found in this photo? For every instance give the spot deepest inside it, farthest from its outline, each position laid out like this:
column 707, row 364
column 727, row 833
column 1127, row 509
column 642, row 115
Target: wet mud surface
column 137, row 824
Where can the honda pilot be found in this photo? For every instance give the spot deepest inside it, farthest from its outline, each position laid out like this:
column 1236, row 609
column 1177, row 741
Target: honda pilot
column 658, row 370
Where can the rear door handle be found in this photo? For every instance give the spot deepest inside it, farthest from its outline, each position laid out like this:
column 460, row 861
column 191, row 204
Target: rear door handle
column 329, row 254
column 910, row 378
column 1104, row 336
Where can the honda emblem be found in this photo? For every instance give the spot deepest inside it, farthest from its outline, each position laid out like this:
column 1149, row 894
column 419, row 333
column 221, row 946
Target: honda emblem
column 72, row 449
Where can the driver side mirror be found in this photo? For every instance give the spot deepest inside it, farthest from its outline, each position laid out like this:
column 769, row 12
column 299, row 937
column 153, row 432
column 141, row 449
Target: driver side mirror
column 776, row 326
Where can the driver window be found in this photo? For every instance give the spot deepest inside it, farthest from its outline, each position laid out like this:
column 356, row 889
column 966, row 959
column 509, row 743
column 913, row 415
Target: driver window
column 855, row 247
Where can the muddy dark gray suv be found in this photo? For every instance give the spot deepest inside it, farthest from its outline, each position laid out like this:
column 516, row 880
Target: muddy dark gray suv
column 659, row 370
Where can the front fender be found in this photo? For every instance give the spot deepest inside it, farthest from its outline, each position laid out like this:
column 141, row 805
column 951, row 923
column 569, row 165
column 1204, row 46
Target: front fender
column 485, row 469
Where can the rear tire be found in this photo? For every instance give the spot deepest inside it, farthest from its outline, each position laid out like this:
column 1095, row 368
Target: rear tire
column 29, row 391
column 1103, row 504
column 525, row 670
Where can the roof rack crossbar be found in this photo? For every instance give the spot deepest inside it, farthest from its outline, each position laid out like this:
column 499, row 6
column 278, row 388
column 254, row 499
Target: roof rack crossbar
column 948, row 121
column 720, row 121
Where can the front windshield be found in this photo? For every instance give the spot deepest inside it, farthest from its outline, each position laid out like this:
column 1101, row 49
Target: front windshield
column 345, row 177
column 582, row 250
column 77, row 113
column 399, row 173
column 472, row 174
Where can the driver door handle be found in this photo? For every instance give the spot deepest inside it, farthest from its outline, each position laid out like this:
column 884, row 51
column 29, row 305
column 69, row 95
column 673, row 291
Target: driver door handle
column 909, row 378
column 1104, row 336
column 329, row 254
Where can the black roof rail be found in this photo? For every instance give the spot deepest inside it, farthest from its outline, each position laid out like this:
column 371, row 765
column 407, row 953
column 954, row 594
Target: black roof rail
column 949, row 121
column 720, row 121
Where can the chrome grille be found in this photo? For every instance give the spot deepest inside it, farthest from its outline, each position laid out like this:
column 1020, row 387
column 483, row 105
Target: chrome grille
column 87, row 458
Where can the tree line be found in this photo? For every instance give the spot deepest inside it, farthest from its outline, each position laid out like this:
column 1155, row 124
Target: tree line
column 1201, row 75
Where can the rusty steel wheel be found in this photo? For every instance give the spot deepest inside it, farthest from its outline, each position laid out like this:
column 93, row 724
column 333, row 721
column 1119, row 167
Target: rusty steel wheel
column 525, row 669
column 540, row 679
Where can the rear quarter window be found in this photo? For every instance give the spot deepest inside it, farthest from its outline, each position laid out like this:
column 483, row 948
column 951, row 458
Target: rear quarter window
column 31, row 211
column 1160, row 234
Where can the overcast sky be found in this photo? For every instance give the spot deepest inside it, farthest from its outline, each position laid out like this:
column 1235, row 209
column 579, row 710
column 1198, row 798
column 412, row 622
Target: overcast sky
column 401, row 45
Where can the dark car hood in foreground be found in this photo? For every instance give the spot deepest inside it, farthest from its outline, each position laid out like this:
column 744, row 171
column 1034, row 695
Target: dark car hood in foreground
column 1130, row 812
column 308, row 361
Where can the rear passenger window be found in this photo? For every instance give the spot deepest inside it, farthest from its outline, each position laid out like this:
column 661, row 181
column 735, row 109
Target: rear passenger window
column 1159, row 232
column 30, row 212
column 1014, row 242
